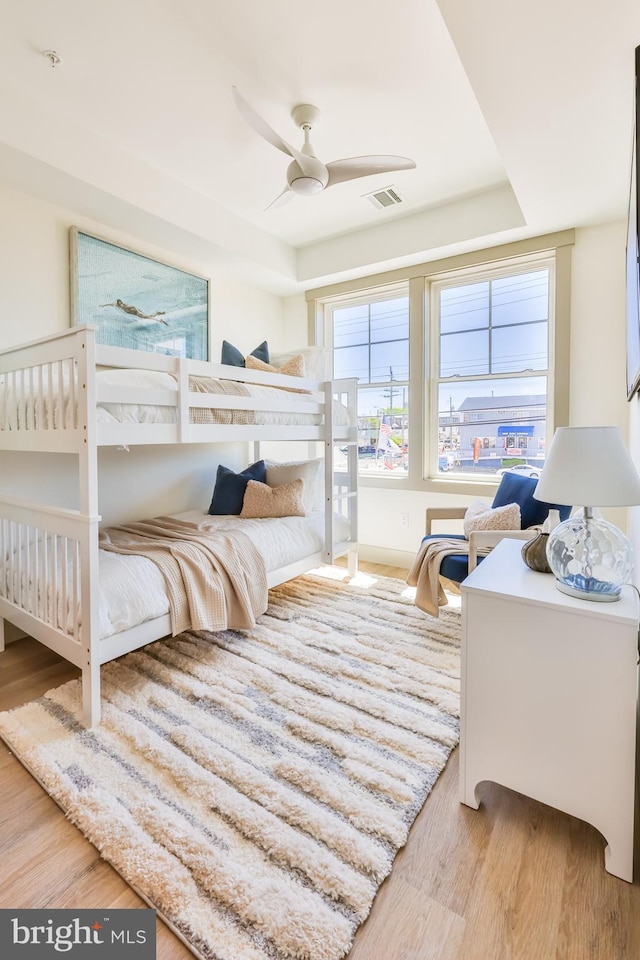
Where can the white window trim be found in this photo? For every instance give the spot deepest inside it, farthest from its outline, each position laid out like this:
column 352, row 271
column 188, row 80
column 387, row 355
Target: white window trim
column 434, row 286
column 556, row 245
column 398, row 289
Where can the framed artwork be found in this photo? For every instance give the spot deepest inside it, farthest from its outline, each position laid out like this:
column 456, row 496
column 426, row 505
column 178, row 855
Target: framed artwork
column 137, row 302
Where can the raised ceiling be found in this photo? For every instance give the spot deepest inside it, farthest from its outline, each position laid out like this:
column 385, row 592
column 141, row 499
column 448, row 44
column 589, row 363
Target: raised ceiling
column 519, row 119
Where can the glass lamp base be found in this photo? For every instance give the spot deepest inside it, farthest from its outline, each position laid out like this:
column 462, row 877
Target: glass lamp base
column 600, row 596
column 590, row 558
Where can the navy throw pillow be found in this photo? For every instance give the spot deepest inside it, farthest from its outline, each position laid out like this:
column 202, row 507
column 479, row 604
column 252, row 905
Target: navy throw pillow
column 515, row 489
column 233, row 358
column 228, row 492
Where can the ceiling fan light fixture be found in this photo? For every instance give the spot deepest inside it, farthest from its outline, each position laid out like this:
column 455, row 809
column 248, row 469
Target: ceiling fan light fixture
column 307, row 175
column 306, row 186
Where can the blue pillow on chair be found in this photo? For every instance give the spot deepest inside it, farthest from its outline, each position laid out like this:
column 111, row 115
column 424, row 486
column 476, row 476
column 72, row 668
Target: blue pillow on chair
column 228, row 492
column 515, row 489
column 234, row 358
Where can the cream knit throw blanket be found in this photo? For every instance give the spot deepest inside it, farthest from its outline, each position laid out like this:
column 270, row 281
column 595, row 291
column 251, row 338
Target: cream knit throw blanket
column 214, row 580
column 425, row 571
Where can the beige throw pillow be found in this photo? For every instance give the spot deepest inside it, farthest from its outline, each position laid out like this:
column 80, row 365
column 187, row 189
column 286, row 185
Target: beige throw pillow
column 317, row 361
column 261, row 500
column 292, row 368
column 480, row 516
column 307, row 470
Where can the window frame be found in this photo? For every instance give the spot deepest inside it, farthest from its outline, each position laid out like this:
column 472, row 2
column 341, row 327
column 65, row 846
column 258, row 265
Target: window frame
column 556, row 246
column 435, row 285
column 388, row 292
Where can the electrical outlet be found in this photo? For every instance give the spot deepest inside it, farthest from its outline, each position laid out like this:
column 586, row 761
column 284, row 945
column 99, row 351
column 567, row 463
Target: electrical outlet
column 404, row 519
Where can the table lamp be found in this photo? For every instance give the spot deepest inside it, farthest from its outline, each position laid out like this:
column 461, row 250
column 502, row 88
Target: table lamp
column 589, row 467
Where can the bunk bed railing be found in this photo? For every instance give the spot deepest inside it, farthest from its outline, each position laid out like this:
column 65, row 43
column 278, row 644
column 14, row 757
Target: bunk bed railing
column 43, row 393
column 49, row 391
column 46, row 556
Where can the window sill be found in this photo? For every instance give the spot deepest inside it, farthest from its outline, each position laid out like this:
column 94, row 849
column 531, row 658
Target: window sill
column 463, row 487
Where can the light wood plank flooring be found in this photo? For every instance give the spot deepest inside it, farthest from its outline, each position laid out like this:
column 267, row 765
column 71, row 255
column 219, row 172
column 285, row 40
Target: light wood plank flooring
column 514, row 880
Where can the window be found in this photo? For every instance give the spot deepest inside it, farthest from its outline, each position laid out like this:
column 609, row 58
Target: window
column 491, row 368
column 462, row 364
column 370, row 340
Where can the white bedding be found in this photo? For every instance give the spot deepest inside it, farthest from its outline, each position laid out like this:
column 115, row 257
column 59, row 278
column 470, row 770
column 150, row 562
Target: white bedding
column 132, row 588
column 160, row 413
column 20, row 407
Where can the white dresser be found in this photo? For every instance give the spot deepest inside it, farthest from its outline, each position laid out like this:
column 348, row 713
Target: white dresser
column 549, row 697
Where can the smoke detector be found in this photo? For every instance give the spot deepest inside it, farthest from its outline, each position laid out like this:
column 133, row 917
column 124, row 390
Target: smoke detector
column 387, row 197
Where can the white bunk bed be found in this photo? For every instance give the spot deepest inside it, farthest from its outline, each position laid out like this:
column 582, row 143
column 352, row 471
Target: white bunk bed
column 67, row 394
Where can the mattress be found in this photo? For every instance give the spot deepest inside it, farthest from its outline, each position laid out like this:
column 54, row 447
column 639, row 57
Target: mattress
column 132, row 589
column 46, row 401
column 133, row 592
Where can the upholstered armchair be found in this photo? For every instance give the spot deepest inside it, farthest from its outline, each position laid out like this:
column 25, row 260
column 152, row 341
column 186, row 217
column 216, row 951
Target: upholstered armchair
column 512, row 489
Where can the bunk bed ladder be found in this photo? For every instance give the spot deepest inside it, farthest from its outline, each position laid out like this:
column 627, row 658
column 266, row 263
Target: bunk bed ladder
column 341, row 489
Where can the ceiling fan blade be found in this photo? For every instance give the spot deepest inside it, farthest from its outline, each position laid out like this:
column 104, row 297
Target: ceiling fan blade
column 259, row 125
column 355, row 167
column 281, row 199
column 262, row 128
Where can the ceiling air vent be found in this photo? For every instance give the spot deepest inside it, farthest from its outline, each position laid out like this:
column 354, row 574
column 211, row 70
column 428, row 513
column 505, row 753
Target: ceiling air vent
column 387, row 197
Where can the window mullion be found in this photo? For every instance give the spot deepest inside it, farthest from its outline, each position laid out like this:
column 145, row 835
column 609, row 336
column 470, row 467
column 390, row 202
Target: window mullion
column 490, row 330
column 369, row 337
column 415, row 395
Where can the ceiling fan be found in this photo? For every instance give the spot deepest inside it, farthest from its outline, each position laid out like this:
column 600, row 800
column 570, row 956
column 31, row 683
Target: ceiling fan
column 306, row 175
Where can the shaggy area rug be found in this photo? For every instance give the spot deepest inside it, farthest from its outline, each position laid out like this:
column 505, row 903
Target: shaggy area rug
column 255, row 786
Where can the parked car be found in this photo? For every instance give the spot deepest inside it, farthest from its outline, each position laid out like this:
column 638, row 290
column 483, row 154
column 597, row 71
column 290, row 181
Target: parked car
column 523, row 470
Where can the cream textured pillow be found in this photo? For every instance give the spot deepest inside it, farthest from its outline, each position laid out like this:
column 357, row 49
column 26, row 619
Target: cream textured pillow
column 317, row 361
column 292, row 368
column 261, row 500
column 307, row 470
column 480, row 516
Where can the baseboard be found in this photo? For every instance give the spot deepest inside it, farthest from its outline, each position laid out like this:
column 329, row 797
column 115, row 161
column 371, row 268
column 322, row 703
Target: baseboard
column 383, row 555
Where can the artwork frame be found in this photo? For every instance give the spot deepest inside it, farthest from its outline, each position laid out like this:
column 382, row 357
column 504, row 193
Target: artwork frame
column 633, row 252
column 136, row 301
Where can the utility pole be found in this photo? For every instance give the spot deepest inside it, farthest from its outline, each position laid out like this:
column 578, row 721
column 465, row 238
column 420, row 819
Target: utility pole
column 451, row 424
column 390, row 391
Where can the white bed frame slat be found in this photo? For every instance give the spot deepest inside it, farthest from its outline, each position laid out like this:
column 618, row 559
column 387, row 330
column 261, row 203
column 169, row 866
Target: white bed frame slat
column 49, row 556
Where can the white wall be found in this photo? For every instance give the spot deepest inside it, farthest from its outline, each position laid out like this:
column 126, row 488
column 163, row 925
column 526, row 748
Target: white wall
column 34, row 292
column 598, row 335
column 295, row 328
column 598, row 327
column 34, row 302
column 598, row 394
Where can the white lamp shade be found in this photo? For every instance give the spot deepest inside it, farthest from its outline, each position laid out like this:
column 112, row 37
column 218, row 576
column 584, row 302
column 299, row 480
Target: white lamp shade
column 589, row 467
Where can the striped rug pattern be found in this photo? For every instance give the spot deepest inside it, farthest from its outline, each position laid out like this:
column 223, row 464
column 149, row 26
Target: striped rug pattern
column 254, row 786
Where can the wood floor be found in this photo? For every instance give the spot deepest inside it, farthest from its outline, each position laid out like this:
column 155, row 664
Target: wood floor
column 514, row 880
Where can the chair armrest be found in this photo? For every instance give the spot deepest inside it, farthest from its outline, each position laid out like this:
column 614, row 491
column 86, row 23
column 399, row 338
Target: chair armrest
column 487, row 539
column 442, row 513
